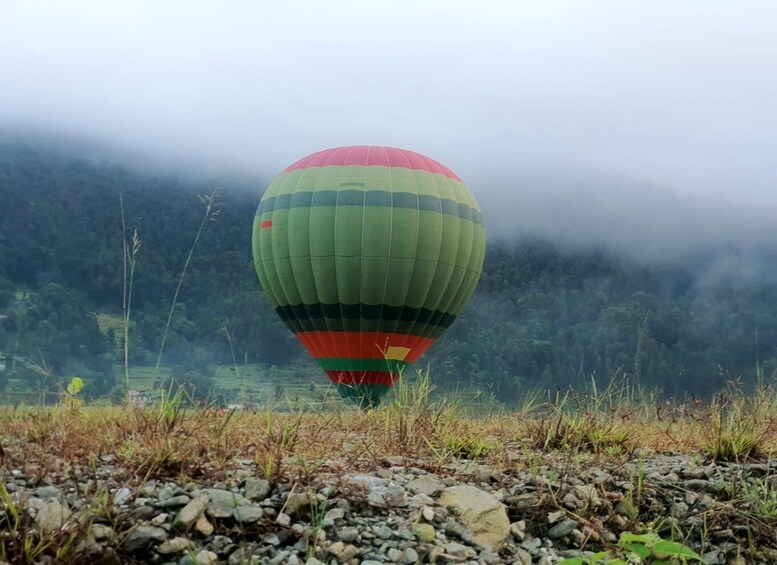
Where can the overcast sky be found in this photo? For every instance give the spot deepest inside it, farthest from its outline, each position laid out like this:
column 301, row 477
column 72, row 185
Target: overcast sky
column 681, row 94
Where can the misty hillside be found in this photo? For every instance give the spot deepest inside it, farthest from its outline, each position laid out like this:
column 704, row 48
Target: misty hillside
column 544, row 314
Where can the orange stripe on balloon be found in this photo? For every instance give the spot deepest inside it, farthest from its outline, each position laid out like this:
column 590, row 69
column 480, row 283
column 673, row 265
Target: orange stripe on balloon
column 363, row 345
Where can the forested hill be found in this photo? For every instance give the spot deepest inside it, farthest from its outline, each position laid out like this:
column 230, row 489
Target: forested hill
column 542, row 315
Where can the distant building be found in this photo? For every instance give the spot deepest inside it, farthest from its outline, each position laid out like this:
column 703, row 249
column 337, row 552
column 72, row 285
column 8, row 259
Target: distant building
column 139, row 398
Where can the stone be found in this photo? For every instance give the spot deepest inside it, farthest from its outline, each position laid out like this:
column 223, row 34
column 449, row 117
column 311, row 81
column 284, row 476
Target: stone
column 51, row 515
column 562, row 529
column 349, row 552
column 206, row 557
column 424, row 532
column 256, row 489
column 409, row 556
column 425, row 484
column 479, row 511
column 49, row 492
column 335, row 514
column 203, row 526
column 394, row 554
column 678, row 510
column 428, row 513
column 247, row 514
column 348, row 534
column 383, row 532
column 144, row 537
column 221, row 503
column 101, row 531
column 387, row 496
column 174, row 501
column 190, row 513
column 121, row 496
column 283, row 520
column 175, row 545
column 296, row 504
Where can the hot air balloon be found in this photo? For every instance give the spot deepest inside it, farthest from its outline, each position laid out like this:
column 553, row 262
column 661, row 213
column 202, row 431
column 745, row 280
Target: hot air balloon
column 368, row 254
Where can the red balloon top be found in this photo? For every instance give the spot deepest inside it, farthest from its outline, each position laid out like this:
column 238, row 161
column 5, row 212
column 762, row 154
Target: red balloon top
column 366, row 155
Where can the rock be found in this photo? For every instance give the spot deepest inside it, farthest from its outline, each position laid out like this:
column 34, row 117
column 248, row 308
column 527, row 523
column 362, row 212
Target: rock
column 49, row 492
column 335, row 514
column 562, row 529
column 144, row 537
column 296, row 504
column 206, row 557
column 387, row 497
column 383, row 532
column 256, row 489
column 283, row 520
column 203, row 526
column 101, row 532
column 121, row 496
column 678, row 510
column 425, row 484
column 424, row 532
column 349, row 552
column 190, row 513
column 174, row 501
column 409, row 556
column 348, row 534
column 554, row 517
column 52, row 515
column 175, row 545
column 428, row 513
column 221, row 503
column 394, row 554
column 523, row 557
column 247, row 514
column 480, row 512
column 518, row 529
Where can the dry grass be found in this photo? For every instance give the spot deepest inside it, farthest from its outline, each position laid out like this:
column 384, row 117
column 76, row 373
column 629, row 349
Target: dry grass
column 63, row 444
column 195, row 443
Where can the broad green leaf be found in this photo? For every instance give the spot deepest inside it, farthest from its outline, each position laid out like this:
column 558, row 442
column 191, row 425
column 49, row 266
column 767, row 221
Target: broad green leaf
column 674, row 549
column 645, row 539
column 641, row 550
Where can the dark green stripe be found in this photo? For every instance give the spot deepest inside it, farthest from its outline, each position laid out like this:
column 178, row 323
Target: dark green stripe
column 350, row 197
column 366, row 396
column 344, row 364
column 361, row 325
column 300, row 312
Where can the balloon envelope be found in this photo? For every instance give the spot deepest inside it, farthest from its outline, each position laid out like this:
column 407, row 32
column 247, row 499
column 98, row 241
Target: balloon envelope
column 368, row 254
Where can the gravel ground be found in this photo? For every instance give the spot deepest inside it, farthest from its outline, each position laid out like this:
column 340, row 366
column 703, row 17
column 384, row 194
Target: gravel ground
column 403, row 512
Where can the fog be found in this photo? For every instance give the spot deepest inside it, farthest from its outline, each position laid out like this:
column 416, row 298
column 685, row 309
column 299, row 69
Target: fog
column 646, row 127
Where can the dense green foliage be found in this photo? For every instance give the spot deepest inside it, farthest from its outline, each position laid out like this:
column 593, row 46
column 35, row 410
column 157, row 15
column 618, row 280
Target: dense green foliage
column 542, row 315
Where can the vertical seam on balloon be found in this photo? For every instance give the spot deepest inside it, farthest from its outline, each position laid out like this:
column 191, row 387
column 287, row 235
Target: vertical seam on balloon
column 327, row 323
column 361, row 257
column 314, row 339
column 451, row 293
column 348, row 346
column 274, row 234
column 381, row 328
column 429, row 328
column 412, row 267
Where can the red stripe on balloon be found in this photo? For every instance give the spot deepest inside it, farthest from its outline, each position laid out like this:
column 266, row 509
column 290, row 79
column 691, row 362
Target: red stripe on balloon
column 362, row 345
column 355, row 378
column 369, row 155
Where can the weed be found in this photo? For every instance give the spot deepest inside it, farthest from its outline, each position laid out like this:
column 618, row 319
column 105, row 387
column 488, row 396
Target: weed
column 640, row 548
column 739, row 422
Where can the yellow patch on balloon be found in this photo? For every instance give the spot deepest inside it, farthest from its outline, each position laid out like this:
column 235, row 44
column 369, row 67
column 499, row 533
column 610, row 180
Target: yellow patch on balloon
column 395, row 353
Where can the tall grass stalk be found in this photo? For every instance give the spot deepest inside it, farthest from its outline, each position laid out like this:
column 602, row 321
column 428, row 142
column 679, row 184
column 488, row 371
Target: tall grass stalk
column 211, row 212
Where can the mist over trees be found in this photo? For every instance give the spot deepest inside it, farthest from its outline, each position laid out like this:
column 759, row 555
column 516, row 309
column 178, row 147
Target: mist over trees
column 548, row 312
